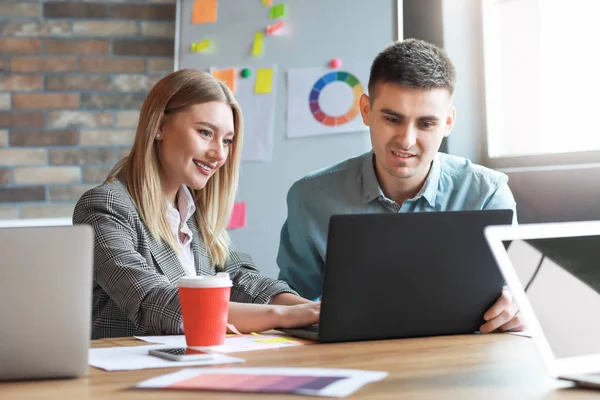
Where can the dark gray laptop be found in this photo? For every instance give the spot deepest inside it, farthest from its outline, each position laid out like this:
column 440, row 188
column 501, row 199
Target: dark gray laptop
column 407, row 275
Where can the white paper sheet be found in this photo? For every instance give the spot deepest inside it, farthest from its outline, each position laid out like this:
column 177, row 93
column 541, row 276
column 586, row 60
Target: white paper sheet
column 258, row 111
column 169, row 340
column 334, row 96
column 234, row 344
column 137, row 357
column 353, row 379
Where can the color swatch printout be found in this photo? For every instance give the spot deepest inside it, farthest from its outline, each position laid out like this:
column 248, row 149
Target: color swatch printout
column 305, row 381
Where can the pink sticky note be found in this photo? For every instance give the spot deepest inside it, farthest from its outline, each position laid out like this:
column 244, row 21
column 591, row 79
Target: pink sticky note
column 233, row 329
column 238, row 216
column 271, row 29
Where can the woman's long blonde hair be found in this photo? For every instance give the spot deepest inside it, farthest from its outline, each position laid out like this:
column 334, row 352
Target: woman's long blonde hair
column 141, row 168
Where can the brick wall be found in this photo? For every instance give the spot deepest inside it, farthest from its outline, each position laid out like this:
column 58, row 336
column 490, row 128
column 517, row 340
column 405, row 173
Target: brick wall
column 73, row 76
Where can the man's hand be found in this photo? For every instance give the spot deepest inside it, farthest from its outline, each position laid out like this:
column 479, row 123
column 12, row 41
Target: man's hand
column 503, row 315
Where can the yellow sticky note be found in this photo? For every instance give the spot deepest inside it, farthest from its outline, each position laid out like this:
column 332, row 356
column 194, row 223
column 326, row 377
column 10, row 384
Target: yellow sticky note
column 275, row 340
column 199, row 46
column 257, row 46
column 227, row 76
column 264, row 79
column 204, row 11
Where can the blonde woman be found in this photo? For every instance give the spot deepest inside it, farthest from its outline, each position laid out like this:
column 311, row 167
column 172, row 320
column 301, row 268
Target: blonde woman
column 162, row 214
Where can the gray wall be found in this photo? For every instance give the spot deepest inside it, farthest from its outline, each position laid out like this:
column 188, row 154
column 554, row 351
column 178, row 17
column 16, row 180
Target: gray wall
column 320, row 30
column 423, row 20
column 556, row 194
column 463, row 43
column 542, row 194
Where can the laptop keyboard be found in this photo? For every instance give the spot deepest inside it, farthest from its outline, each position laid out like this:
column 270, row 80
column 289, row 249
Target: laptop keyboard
column 310, row 332
column 311, row 328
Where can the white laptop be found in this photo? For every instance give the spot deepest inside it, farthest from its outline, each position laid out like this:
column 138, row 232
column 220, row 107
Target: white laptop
column 15, row 223
column 45, row 300
column 553, row 270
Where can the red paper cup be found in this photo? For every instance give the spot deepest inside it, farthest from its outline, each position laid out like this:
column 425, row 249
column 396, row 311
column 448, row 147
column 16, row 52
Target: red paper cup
column 204, row 307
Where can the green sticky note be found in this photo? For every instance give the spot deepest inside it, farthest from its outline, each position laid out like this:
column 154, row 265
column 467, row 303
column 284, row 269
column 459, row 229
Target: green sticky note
column 277, row 11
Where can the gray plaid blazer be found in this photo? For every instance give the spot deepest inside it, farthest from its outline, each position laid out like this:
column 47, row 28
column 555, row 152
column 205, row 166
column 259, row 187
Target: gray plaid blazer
column 135, row 277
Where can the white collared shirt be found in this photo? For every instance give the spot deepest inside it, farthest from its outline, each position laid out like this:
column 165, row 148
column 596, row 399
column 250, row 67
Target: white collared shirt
column 178, row 223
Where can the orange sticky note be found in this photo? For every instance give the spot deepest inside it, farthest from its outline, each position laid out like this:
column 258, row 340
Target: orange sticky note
column 267, row 2
column 204, row 11
column 238, row 216
column 264, row 80
column 227, row 76
column 271, row 29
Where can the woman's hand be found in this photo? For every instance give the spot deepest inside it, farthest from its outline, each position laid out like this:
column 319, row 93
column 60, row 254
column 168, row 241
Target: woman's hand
column 262, row 317
column 298, row 316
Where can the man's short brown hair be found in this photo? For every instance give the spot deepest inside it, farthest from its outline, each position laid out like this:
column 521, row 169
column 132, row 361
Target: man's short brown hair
column 413, row 63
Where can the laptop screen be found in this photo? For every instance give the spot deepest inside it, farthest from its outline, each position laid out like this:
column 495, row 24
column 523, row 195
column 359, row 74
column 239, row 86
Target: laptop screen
column 561, row 278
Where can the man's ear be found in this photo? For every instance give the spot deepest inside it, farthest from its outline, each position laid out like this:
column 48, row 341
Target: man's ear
column 450, row 121
column 365, row 108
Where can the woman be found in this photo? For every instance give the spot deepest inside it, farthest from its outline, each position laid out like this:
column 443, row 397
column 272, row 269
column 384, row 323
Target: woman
column 162, row 214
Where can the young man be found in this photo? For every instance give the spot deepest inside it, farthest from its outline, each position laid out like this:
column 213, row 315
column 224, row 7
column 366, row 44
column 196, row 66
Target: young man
column 408, row 111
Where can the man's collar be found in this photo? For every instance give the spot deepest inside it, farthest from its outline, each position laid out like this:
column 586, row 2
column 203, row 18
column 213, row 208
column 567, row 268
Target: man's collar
column 430, row 188
column 372, row 189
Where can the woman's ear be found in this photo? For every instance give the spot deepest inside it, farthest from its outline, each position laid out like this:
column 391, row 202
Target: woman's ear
column 159, row 133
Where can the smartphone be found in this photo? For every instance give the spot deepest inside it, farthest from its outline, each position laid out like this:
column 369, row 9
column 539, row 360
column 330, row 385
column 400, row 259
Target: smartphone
column 181, row 354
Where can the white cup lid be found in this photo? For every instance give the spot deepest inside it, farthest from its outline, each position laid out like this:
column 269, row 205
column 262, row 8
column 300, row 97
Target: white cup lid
column 206, row 281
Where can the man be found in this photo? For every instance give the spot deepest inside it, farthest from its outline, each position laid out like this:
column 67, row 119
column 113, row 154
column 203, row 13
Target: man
column 408, row 111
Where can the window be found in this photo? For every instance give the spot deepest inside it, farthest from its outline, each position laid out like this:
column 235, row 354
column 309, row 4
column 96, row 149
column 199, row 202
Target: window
column 542, row 81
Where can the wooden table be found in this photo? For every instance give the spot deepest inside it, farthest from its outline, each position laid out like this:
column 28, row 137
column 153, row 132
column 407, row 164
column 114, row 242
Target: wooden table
column 496, row 366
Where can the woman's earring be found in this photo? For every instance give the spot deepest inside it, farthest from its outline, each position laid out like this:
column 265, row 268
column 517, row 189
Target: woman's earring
column 158, row 135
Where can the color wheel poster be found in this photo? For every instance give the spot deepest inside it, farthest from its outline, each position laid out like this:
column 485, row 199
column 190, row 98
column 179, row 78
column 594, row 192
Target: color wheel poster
column 324, row 101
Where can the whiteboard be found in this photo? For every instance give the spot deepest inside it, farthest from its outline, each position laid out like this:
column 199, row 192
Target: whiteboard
column 315, row 32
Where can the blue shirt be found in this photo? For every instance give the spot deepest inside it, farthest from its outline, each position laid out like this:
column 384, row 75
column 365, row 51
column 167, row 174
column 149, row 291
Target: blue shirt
column 351, row 187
